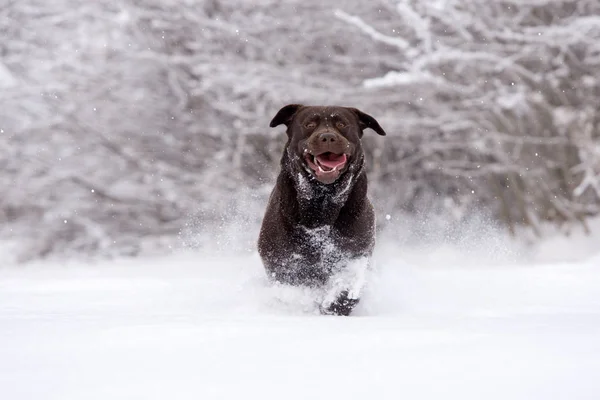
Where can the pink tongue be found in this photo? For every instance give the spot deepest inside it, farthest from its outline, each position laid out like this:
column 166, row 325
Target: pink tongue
column 331, row 160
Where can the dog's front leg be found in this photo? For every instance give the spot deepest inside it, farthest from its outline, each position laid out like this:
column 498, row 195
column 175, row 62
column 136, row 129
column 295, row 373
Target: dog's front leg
column 345, row 287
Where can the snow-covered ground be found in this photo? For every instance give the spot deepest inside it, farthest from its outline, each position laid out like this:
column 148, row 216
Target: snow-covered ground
column 200, row 327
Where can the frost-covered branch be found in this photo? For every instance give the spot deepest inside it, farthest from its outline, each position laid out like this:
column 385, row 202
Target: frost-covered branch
column 372, row 32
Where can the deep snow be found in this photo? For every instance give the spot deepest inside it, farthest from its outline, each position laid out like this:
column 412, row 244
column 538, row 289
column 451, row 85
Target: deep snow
column 195, row 327
column 470, row 320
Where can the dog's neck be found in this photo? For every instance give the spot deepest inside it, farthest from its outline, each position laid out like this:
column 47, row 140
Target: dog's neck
column 319, row 205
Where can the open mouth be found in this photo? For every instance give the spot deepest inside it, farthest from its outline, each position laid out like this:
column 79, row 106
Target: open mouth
column 326, row 164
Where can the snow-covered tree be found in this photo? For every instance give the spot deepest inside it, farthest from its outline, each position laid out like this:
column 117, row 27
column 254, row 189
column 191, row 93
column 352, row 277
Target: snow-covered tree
column 496, row 103
column 122, row 122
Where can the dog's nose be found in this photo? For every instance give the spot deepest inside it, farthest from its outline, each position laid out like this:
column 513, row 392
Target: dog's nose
column 327, row 137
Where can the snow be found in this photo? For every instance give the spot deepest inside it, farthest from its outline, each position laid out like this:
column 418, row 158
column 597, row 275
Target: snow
column 396, row 78
column 7, row 80
column 196, row 326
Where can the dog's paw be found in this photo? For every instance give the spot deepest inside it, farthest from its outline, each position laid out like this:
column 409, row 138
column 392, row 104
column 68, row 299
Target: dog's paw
column 343, row 305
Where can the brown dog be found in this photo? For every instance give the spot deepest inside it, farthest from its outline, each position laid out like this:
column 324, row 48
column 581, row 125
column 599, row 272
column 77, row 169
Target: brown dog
column 319, row 227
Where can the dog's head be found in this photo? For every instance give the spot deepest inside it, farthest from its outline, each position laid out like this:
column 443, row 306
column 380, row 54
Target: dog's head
column 324, row 142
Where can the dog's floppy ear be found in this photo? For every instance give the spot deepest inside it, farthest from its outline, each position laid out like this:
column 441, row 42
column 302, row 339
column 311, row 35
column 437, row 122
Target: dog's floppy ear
column 284, row 116
column 366, row 121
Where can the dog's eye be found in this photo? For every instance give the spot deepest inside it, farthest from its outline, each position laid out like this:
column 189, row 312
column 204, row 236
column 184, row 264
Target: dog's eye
column 340, row 125
column 310, row 125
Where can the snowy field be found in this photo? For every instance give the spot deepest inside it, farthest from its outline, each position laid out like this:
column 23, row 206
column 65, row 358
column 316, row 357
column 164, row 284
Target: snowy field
column 201, row 327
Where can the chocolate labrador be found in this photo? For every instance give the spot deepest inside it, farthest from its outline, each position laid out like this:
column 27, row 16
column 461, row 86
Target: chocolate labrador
column 319, row 227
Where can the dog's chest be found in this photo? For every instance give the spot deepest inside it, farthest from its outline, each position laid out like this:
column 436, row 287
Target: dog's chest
column 317, row 247
column 319, row 207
